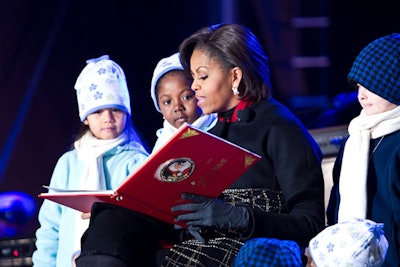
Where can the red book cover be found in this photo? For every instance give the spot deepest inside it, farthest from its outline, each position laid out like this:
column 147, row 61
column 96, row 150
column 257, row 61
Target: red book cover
column 193, row 161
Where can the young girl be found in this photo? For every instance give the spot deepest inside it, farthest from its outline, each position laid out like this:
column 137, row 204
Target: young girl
column 105, row 152
column 366, row 174
column 173, row 97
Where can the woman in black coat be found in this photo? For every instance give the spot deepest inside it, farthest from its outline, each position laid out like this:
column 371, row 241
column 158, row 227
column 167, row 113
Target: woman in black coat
column 282, row 196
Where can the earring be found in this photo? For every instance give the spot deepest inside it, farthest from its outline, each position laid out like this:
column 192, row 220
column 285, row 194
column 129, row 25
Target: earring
column 235, row 90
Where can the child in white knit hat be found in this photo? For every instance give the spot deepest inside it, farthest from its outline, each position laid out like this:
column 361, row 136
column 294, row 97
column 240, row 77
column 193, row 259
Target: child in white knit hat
column 105, row 152
column 356, row 242
column 173, row 97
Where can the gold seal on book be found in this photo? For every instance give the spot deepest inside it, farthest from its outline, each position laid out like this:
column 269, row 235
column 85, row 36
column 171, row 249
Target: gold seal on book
column 175, row 170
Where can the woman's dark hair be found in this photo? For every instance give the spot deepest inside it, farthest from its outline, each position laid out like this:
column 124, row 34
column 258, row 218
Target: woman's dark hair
column 233, row 45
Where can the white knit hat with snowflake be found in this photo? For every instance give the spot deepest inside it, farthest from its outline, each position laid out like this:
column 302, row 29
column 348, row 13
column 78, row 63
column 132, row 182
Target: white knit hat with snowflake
column 101, row 84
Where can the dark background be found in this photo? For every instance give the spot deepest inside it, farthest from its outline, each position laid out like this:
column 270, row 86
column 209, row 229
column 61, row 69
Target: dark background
column 44, row 45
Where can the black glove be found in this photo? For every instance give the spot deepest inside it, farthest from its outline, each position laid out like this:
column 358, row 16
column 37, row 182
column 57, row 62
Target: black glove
column 194, row 231
column 206, row 211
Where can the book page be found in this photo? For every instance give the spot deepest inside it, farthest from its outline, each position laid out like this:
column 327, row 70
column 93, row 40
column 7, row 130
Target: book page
column 60, row 190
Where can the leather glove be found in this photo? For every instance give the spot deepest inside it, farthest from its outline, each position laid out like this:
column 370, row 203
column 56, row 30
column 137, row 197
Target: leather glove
column 194, row 231
column 210, row 212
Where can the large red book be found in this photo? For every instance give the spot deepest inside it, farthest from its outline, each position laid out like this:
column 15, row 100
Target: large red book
column 193, row 161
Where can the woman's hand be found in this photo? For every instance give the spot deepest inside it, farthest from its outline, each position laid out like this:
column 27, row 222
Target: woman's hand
column 205, row 212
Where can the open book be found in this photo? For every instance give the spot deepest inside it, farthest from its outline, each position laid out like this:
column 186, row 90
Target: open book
column 193, row 161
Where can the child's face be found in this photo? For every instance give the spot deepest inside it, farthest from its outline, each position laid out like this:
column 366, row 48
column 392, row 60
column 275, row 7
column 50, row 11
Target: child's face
column 106, row 123
column 176, row 100
column 372, row 103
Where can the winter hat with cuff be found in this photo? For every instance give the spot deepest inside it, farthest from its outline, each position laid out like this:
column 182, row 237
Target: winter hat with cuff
column 164, row 65
column 101, row 84
column 357, row 242
column 377, row 68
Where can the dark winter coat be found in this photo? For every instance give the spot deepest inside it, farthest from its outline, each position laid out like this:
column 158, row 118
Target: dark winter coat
column 383, row 191
column 291, row 164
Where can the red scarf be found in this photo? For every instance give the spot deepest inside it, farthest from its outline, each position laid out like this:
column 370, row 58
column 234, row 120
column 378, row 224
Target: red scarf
column 232, row 117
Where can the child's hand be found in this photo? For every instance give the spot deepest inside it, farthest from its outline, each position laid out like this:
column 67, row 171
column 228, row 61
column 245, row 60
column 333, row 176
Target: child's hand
column 85, row 215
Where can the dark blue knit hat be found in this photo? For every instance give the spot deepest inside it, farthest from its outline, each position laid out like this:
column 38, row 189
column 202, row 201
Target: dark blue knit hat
column 260, row 252
column 377, row 68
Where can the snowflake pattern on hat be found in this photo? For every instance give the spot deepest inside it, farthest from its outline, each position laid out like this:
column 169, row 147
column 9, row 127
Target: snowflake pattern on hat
column 101, row 84
column 357, row 242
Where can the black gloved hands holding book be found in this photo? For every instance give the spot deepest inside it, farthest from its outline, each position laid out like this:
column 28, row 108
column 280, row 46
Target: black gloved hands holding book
column 205, row 212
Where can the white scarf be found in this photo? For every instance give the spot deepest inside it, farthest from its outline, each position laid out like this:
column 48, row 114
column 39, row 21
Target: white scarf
column 353, row 175
column 204, row 122
column 90, row 151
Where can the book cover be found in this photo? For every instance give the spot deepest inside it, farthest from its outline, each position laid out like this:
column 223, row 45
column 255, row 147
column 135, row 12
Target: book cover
column 193, row 161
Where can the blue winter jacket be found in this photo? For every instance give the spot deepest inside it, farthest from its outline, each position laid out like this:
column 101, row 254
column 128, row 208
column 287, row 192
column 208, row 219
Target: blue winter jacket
column 55, row 237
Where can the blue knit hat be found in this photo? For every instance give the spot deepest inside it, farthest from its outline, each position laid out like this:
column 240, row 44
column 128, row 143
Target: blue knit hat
column 377, row 68
column 263, row 252
column 101, row 84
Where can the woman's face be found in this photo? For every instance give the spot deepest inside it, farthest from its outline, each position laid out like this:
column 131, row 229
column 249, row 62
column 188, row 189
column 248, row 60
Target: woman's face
column 106, row 123
column 176, row 100
column 213, row 85
column 372, row 103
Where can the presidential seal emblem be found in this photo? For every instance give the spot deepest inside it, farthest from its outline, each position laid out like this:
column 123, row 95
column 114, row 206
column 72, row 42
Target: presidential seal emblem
column 175, row 170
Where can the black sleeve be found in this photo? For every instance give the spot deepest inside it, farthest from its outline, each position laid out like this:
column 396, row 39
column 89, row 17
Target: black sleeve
column 296, row 161
column 334, row 199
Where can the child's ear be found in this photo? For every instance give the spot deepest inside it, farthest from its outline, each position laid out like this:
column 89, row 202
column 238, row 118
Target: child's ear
column 86, row 122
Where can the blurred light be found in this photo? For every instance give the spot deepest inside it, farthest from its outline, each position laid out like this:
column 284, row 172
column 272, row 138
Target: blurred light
column 16, row 207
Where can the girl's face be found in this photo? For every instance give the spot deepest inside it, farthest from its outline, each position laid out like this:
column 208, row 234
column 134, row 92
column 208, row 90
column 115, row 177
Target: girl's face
column 372, row 103
column 106, row 123
column 176, row 100
column 213, row 85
